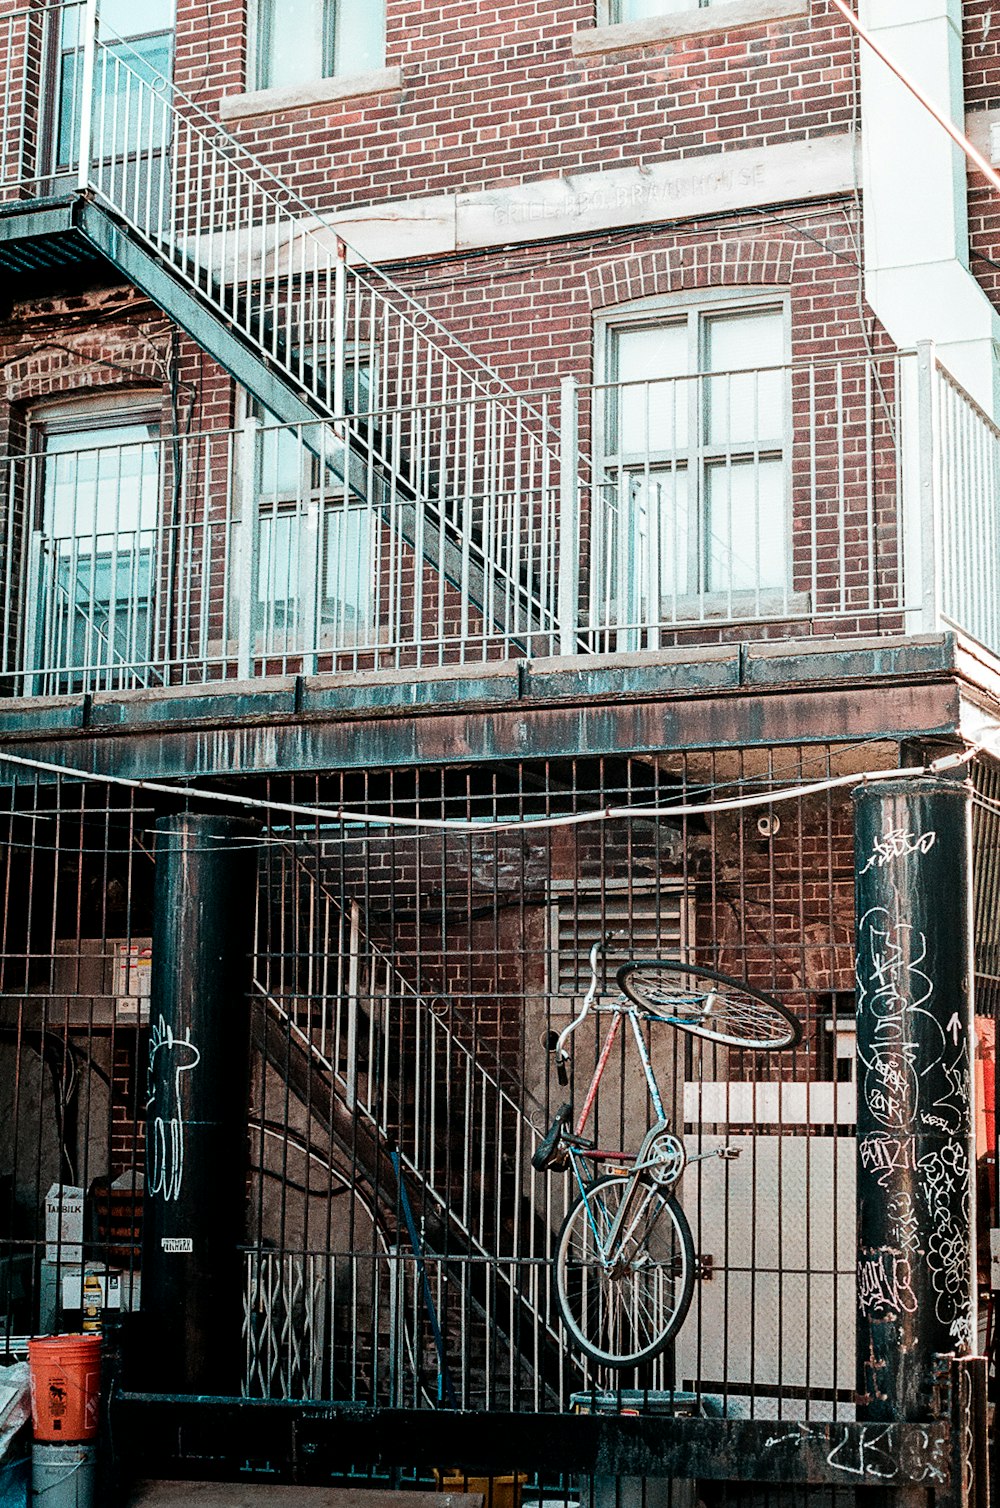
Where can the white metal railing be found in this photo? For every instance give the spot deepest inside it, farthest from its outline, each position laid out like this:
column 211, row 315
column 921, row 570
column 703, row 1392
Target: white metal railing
column 281, row 549
column 358, row 1327
column 463, row 1136
column 259, row 257
column 761, row 495
column 962, row 470
column 273, row 549
column 337, row 332
column 420, row 1079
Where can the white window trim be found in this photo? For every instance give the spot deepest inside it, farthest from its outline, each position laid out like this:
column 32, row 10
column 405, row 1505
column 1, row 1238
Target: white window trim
column 698, row 606
column 91, row 413
column 723, row 15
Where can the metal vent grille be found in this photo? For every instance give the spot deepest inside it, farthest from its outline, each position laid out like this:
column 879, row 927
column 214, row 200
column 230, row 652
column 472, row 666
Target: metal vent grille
column 646, row 923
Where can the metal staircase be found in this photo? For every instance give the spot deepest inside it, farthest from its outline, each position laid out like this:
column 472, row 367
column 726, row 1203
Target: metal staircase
column 270, row 290
column 377, row 1065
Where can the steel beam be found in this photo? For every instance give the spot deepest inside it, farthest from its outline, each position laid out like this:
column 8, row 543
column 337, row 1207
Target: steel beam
column 496, row 726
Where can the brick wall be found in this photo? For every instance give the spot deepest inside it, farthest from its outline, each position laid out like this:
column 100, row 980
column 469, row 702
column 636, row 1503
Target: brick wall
column 493, row 94
column 981, row 22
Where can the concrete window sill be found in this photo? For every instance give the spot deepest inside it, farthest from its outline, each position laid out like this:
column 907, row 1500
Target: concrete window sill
column 727, row 16
column 321, row 92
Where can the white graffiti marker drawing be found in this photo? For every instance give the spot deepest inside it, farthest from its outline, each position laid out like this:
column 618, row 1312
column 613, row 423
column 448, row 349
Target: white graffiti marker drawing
column 905, row 1225
column 886, row 1155
column 892, row 987
column 873, row 1455
column 885, row 1284
column 169, row 1057
column 946, row 1192
column 897, row 843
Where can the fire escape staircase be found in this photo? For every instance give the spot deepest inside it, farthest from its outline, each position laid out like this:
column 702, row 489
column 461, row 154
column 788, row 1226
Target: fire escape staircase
column 482, row 1199
column 266, row 286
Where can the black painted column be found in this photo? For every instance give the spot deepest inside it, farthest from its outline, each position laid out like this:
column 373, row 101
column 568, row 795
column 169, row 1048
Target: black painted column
column 197, row 1103
column 916, row 1150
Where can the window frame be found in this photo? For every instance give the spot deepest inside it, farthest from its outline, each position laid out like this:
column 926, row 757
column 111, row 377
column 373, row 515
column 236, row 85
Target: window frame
column 87, row 414
column 609, row 12
column 333, row 631
column 257, row 80
column 58, row 53
column 696, row 308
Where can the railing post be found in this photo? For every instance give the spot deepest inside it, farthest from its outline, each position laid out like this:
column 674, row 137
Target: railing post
column 33, row 640
column 246, row 504
column 926, row 581
column 335, row 400
column 568, row 595
column 91, row 12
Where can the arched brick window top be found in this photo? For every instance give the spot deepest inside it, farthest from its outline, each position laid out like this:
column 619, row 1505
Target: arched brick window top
column 676, row 269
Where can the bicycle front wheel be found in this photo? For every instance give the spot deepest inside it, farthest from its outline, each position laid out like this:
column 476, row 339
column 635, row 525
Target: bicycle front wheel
column 709, row 1004
column 622, row 1307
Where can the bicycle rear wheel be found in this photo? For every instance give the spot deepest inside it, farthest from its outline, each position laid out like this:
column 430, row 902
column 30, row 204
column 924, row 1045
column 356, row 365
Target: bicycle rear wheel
column 623, row 1313
column 709, row 1004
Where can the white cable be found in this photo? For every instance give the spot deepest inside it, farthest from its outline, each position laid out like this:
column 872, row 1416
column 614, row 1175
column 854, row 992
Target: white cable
column 462, row 825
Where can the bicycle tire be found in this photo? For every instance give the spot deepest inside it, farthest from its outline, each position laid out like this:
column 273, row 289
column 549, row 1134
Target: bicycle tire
column 742, row 1016
column 636, row 1321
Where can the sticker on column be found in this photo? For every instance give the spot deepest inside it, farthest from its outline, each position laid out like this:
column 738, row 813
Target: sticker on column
column 176, row 1243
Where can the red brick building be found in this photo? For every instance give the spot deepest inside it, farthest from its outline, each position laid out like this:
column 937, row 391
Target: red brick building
column 485, row 415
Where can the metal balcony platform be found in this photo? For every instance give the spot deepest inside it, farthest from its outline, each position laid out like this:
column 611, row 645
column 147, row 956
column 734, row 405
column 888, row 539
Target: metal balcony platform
column 41, row 237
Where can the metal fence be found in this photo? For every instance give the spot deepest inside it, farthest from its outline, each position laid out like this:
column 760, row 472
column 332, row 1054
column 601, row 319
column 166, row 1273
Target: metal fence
column 252, row 552
column 399, row 1245
column 276, row 549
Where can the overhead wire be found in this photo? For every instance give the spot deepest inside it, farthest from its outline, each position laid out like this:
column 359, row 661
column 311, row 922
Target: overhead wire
column 342, row 815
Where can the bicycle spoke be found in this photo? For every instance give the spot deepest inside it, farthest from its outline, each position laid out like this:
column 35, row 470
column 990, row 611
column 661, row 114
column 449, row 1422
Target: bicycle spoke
column 623, row 1304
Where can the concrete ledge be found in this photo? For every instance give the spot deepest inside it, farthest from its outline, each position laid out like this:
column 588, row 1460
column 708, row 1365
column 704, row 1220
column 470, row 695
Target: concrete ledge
column 780, row 664
column 695, row 672
column 213, row 702
column 646, row 673
column 377, row 691
column 696, row 22
column 322, row 92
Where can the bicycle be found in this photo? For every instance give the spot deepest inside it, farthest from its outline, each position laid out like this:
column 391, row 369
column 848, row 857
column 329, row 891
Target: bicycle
column 624, row 1263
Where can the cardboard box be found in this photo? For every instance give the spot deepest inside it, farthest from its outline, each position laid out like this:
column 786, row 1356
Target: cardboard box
column 64, row 1224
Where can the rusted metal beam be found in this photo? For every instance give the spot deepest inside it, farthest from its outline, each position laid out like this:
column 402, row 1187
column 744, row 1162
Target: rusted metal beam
column 523, row 731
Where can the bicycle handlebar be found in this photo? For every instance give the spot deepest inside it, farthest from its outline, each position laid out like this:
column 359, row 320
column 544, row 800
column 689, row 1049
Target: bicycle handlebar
column 562, row 1056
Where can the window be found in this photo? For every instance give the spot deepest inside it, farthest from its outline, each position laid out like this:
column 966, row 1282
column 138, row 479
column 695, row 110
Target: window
column 644, row 10
column 691, row 427
column 299, row 41
column 145, row 28
column 94, row 547
column 314, row 548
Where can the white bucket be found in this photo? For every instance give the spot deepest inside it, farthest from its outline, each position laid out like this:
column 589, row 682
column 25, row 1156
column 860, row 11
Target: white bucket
column 63, row 1476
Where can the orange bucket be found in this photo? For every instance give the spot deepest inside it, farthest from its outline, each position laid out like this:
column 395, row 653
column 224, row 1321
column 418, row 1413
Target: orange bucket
column 65, row 1386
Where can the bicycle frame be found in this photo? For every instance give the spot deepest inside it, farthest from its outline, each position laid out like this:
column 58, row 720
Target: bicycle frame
column 579, row 1157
